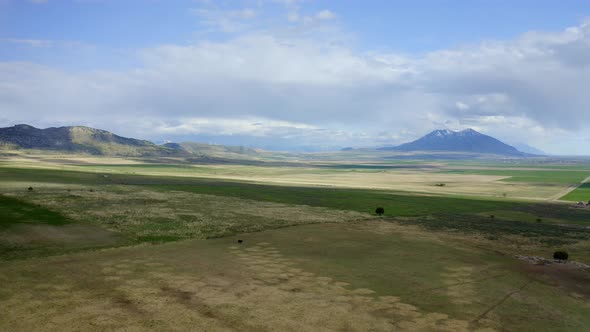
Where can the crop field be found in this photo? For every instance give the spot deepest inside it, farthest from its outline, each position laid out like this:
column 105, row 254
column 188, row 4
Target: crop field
column 582, row 193
column 427, row 177
column 133, row 245
column 534, row 176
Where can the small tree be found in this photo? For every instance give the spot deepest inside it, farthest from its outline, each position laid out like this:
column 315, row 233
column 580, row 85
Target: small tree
column 379, row 211
column 561, row 255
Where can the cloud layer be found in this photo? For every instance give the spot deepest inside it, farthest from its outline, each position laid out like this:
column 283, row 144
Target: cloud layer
column 297, row 85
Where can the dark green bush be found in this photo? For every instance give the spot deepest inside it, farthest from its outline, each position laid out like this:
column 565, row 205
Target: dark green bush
column 379, row 211
column 561, row 255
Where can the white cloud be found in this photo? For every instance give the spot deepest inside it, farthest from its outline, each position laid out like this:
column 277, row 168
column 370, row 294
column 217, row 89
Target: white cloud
column 304, row 88
column 462, row 106
column 325, row 15
column 228, row 21
column 223, row 126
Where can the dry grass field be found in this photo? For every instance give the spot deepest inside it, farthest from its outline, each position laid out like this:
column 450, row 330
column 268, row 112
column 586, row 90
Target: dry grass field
column 358, row 277
column 419, row 178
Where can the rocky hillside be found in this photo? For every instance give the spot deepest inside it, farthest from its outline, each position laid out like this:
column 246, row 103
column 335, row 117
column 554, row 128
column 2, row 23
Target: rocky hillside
column 80, row 140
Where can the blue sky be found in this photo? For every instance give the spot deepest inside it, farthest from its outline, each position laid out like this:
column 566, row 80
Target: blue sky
column 288, row 74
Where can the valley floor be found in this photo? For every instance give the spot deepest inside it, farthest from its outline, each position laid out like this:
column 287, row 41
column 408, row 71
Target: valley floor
column 101, row 248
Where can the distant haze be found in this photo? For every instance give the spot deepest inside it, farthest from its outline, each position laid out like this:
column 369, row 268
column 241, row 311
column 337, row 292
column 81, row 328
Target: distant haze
column 301, row 75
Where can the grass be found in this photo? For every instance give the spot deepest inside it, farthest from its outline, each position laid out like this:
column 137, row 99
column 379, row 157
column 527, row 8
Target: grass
column 31, row 230
column 395, row 204
column 15, row 212
column 143, row 215
column 419, row 268
column 159, row 209
column 372, row 177
column 363, row 276
column 582, row 193
column 536, row 176
column 431, row 263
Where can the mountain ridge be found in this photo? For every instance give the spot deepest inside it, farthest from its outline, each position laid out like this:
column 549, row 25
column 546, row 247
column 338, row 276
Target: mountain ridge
column 78, row 139
column 87, row 140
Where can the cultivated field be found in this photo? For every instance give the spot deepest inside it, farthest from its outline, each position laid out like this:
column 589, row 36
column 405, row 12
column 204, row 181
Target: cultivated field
column 113, row 244
column 524, row 182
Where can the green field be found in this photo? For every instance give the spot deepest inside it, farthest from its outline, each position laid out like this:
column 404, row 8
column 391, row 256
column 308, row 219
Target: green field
column 151, row 247
column 582, row 193
column 16, row 212
column 536, row 176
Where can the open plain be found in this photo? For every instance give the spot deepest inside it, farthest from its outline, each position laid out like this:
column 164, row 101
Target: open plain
column 96, row 244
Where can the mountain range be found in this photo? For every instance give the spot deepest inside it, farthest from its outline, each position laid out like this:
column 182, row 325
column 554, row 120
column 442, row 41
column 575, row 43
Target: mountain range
column 467, row 140
column 79, row 139
column 86, row 140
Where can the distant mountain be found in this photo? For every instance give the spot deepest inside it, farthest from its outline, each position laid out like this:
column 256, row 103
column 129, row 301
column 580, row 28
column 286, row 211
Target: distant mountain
column 467, row 140
column 78, row 139
column 529, row 149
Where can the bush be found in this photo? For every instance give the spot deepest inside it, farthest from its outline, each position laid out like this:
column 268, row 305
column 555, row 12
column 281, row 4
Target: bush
column 379, row 211
column 492, row 216
column 30, row 188
column 561, row 255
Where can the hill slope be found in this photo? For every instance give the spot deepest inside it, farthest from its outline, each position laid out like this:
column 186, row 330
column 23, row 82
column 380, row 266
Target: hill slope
column 78, row 139
column 467, row 140
column 529, row 149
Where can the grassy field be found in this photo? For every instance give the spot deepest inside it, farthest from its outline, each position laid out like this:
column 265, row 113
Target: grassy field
column 415, row 177
column 582, row 193
column 532, row 176
column 107, row 246
column 361, row 276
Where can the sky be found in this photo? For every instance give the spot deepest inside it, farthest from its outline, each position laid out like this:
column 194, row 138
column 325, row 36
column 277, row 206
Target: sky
column 301, row 74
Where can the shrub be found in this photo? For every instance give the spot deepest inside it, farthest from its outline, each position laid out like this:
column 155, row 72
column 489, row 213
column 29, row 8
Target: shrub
column 561, row 255
column 379, row 211
column 30, row 189
column 492, row 216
